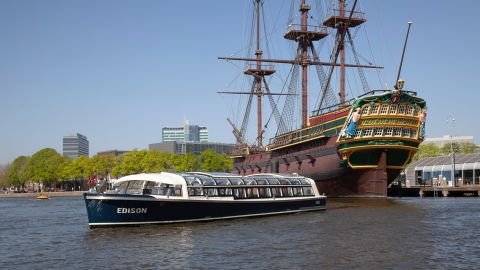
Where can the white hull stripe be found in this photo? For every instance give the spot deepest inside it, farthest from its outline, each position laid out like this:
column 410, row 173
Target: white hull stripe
column 207, row 219
column 115, row 198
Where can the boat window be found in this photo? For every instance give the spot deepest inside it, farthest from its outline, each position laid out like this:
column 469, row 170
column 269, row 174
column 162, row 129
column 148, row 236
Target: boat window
column 135, row 187
column 413, row 133
column 206, row 180
column 378, row 132
column 401, row 109
column 195, row 188
column 374, row 109
column 273, row 181
column 410, row 110
column 406, row 132
column 368, row 132
column 384, row 109
column 236, row 181
column 417, row 110
column 286, row 191
column 358, row 132
column 304, row 181
column 224, row 191
column 239, row 193
column 365, row 109
column 389, row 131
column 393, row 109
column 307, row 191
column 122, row 188
column 148, row 187
column 397, row 132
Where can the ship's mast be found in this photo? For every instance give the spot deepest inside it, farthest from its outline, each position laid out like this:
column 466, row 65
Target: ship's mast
column 341, row 46
column 304, row 45
column 259, row 53
column 304, row 34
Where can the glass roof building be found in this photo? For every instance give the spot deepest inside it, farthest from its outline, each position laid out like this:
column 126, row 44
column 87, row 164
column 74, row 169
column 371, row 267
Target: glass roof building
column 426, row 170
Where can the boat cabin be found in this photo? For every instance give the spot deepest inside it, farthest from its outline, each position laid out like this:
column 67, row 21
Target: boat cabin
column 199, row 185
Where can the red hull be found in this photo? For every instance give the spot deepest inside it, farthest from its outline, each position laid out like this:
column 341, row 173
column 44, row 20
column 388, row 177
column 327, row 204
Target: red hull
column 320, row 161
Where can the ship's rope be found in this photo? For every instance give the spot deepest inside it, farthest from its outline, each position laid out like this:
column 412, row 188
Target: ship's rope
column 246, row 116
column 289, row 106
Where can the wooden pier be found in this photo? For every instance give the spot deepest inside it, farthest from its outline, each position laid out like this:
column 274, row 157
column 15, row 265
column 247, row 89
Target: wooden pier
column 435, row 191
column 463, row 191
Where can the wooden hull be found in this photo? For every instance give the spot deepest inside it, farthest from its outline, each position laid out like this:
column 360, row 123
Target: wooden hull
column 320, row 161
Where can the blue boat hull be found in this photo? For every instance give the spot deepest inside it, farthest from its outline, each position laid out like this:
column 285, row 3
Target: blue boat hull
column 118, row 210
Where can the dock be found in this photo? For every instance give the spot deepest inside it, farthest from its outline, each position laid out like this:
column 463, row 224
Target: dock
column 436, row 191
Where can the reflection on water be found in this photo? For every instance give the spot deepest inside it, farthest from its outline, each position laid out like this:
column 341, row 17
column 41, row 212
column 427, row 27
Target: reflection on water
column 413, row 233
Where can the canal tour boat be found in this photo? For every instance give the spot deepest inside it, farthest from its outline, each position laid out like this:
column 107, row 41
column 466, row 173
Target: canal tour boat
column 157, row 198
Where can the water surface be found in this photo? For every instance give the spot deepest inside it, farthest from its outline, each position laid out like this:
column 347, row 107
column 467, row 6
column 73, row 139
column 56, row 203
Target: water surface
column 410, row 233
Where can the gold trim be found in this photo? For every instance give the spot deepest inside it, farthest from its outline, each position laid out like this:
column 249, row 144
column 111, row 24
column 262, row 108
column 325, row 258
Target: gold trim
column 355, row 148
column 374, row 167
column 376, row 138
column 381, row 116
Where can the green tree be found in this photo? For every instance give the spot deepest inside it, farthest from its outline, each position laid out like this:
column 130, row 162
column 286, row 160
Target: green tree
column 79, row 168
column 210, row 161
column 130, row 163
column 4, row 172
column 18, row 172
column 427, row 150
column 468, row 148
column 186, row 163
column 155, row 161
column 46, row 166
column 102, row 164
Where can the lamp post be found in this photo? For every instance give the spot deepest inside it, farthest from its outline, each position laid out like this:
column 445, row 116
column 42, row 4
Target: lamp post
column 451, row 122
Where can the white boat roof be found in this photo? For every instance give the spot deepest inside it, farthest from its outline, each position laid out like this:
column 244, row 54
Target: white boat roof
column 164, row 177
column 181, row 178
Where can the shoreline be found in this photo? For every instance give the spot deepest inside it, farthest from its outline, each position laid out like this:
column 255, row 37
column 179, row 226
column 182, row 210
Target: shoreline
column 50, row 194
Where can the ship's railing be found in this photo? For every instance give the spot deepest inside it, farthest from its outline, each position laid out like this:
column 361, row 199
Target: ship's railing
column 296, row 136
column 310, row 28
column 350, row 101
column 357, row 15
column 333, row 107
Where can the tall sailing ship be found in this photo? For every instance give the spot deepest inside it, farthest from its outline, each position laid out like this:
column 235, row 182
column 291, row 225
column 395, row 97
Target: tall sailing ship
column 350, row 147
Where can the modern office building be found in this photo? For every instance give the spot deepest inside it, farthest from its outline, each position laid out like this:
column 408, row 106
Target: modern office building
column 182, row 148
column 187, row 133
column 75, row 145
column 426, row 170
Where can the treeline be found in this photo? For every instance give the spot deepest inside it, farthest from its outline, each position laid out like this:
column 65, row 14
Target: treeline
column 431, row 150
column 47, row 166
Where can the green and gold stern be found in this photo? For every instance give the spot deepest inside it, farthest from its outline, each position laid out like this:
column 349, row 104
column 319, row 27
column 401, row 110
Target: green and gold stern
column 382, row 121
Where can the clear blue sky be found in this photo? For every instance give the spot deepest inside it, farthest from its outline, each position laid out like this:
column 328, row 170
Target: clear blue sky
column 118, row 71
